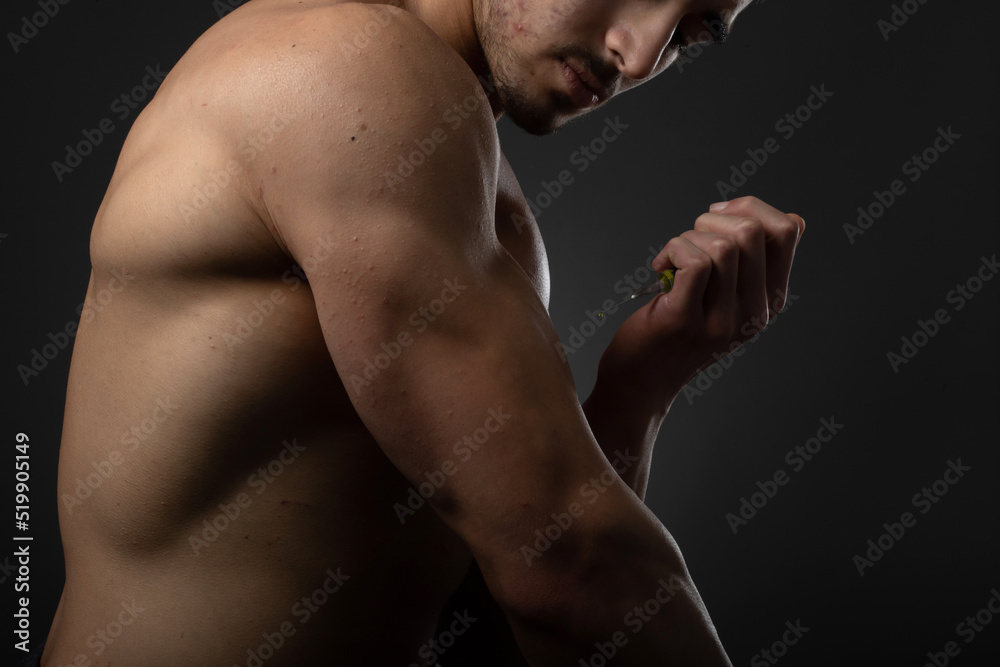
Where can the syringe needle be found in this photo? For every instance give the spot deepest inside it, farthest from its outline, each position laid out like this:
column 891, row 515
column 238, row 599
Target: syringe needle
column 664, row 283
column 633, row 296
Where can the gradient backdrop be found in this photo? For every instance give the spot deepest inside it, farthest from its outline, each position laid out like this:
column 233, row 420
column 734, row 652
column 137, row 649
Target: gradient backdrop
column 888, row 95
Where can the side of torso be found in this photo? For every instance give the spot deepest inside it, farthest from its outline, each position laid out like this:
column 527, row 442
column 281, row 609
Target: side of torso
column 216, row 486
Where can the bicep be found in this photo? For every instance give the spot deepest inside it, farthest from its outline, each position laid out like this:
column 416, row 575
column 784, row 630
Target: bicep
column 445, row 349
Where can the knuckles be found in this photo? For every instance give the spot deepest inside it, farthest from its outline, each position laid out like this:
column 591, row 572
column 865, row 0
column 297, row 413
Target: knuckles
column 785, row 228
column 725, row 249
column 749, row 232
column 743, row 205
column 786, row 231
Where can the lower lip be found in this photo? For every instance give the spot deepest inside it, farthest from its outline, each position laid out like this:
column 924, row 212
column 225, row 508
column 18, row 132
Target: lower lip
column 582, row 95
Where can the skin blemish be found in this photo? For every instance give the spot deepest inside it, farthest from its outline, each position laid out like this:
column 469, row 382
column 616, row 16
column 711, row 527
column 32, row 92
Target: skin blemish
column 352, row 138
column 274, row 169
column 364, row 126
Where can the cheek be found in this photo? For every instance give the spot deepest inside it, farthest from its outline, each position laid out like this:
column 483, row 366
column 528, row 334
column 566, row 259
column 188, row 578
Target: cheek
column 568, row 13
column 520, row 20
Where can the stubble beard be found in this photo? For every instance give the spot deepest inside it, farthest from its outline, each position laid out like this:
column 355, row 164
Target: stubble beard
column 535, row 116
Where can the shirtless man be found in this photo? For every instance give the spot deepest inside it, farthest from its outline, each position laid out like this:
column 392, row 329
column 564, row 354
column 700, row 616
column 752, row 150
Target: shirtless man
column 318, row 299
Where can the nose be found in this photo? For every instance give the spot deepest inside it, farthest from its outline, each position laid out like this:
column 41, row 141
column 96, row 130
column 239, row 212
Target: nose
column 637, row 40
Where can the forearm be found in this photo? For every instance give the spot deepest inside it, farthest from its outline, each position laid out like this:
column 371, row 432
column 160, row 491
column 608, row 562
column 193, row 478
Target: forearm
column 625, row 430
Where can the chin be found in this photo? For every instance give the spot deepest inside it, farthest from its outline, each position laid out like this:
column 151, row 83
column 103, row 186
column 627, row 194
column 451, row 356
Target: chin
column 530, row 116
column 532, row 124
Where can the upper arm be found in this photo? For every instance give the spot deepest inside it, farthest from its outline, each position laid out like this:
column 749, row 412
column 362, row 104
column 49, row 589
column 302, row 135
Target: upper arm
column 445, row 349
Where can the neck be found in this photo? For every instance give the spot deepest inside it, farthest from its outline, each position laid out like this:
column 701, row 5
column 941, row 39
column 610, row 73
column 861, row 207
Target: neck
column 455, row 23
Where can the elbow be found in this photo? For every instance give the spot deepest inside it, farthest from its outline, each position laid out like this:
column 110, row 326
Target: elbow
column 584, row 577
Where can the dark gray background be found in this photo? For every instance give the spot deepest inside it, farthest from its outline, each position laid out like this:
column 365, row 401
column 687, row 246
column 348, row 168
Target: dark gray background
column 825, row 357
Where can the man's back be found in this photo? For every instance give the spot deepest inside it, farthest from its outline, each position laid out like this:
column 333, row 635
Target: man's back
column 220, row 496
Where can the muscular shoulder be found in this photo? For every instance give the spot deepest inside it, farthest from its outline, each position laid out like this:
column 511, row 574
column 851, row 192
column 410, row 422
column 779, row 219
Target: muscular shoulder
column 384, row 64
column 359, row 40
column 383, row 112
column 364, row 74
column 351, row 59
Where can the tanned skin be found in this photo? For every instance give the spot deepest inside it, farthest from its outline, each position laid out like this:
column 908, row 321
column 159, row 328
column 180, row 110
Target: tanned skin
column 249, row 391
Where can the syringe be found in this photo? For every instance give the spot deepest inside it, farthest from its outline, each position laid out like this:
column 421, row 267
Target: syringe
column 664, row 283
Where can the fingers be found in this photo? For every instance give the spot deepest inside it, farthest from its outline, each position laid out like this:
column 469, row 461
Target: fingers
column 801, row 222
column 732, row 272
column 692, row 271
column 706, row 278
column 782, row 233
column 719, row 300
column 749, row 237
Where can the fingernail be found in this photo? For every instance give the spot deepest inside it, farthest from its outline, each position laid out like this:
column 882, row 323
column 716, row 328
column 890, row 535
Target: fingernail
column 719, row 206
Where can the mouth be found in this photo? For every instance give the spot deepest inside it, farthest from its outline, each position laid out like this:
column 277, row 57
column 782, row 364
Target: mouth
column 583, row 86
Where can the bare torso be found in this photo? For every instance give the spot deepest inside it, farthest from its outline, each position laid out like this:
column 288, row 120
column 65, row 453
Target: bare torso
column 219, row 497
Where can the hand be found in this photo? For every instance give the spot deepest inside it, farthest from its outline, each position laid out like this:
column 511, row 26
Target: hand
column 731, row 279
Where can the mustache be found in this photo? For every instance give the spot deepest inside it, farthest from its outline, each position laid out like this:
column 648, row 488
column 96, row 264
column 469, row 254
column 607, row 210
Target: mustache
column 604, row 71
